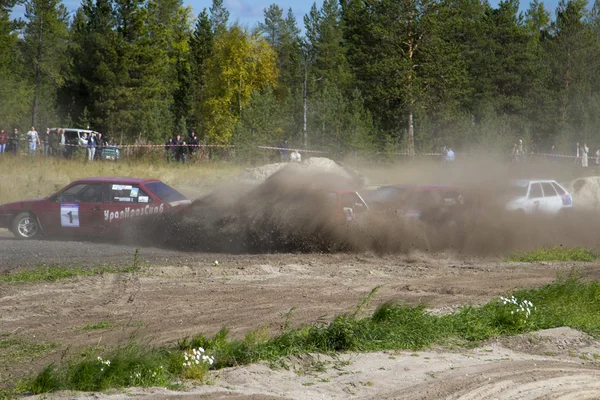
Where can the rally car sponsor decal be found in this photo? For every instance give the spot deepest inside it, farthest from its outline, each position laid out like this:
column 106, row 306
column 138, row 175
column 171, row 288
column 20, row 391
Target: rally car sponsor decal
column 69, row 215
column 130, row 212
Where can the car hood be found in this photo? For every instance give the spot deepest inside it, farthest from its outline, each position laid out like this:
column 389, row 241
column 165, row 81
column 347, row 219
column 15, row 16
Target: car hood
column 17, row 205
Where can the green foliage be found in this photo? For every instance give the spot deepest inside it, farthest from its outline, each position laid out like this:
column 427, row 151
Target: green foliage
column 556, row 254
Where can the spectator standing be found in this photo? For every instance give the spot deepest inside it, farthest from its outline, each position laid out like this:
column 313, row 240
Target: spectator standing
column 62, row 142
column 283, row 151
column 33, row 139
column 520, row 152
column 449, row 155
column 584, row 155
column 53, row 142
column 169, row 149
column 46, row 141
column 91, row 146
column 192, row 144
column 100, row 145
column 3, row 141
column 179, row 148
column 598, row 157
column 295, row 157
column 184, row 152
column 14, row 142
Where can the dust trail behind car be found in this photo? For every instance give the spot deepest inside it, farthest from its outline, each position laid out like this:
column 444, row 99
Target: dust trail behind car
column 291, row 211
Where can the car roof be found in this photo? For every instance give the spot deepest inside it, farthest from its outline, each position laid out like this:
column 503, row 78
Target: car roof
column 74, row 129
column 420, row 187
column 115, row 179
column 525, row 182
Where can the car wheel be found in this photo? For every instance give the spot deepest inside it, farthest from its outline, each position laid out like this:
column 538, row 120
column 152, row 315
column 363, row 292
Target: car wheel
column 25, row 226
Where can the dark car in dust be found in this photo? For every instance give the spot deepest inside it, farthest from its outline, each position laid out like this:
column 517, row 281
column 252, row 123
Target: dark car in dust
column 90, row 207
column 435, row 204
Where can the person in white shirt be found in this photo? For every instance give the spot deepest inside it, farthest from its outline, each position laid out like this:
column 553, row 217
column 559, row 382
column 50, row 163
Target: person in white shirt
column 34, row 140
column 449, row 155
column 295, row 156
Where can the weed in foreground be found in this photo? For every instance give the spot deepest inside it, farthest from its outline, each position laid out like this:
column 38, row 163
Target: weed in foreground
column 99, row 325
column 53, row 273
column 567, row 302
column 555, row 254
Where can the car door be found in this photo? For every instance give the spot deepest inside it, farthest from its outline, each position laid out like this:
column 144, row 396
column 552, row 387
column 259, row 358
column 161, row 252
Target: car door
column 535, row 199
column 124, row 202
column 552, row 201
column 76, row 210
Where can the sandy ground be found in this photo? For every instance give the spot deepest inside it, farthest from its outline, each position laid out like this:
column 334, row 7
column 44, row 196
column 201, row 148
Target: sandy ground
column 168, row 300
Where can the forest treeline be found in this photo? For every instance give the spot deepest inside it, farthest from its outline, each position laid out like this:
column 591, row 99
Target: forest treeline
column 362, row 75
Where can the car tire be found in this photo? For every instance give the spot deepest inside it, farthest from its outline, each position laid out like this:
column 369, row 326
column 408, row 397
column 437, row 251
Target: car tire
column 25, row 226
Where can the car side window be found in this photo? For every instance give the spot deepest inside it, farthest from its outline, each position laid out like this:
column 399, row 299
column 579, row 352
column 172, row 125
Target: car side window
column 559, row 190
column 548, row 190
column 119, row 194
column 536, row 191
column 81, row 193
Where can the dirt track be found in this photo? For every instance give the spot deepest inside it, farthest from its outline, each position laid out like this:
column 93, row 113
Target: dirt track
column 178, row 294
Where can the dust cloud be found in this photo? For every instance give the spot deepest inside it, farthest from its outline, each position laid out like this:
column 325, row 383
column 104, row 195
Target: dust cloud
column 292, row 211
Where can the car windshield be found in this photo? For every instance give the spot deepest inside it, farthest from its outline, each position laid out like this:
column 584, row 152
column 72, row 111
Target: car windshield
column 165, row 192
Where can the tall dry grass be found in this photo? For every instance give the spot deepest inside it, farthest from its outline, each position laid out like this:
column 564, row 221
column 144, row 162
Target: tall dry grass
column 25, row 177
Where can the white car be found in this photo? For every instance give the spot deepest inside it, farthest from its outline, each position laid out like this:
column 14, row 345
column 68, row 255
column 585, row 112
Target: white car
column 543, row 196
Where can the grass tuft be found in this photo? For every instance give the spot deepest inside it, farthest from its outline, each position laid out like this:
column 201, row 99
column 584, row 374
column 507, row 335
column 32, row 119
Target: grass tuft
column 555, row 254
column 567, row 302
column 99, row 325
column 55, row 272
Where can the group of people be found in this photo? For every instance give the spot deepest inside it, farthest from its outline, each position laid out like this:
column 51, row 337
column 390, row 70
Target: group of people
column 31, row 142
column 518, row 152
column 178, row 149
column 448, row 154
column 52, row 143
column 94, row 144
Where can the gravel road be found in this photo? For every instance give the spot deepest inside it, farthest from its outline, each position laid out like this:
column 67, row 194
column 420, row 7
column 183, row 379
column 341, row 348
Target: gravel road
column 24, row 254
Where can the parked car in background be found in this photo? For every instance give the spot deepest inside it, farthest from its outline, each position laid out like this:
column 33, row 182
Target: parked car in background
column 537, row 196
column 90, row 206
column 74, row 139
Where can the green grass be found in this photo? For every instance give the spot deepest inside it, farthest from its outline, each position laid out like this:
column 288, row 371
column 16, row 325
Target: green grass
column 555, row 254
column 567, row 302
column 55, row 272
column 99, row 325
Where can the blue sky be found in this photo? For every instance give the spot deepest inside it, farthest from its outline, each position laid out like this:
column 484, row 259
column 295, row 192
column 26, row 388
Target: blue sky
column 249, row 12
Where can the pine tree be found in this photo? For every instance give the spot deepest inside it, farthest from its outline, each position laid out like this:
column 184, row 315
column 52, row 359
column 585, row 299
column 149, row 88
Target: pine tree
column 15, row 92
column 219, row 17
column 571, row 48
column 45, row 40
column 92, row 80
column 201, row 48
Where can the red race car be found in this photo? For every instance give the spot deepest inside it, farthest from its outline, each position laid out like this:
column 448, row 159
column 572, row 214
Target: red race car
column 91, row 206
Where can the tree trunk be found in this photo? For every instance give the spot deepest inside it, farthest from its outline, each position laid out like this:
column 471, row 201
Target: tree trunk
column 411, row 134
column 305, row 106
column 38, row 76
